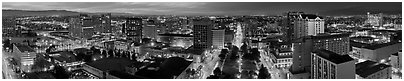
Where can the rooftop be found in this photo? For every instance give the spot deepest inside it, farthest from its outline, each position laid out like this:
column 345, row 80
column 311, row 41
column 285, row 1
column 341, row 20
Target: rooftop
column 333, row 57
column 330, row 35
column 40, row 75
column 65, row 57
column 383, row 31
column 111, row 64
column 364, row 69
column 177, row 35
column 395, row 54
column 377, row 46
column 24, row 48
column 123, row 75
column 310, row 16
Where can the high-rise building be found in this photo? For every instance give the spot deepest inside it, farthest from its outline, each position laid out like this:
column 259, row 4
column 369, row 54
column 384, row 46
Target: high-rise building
column 308, row 25
column 202, row 33
column 338, row 43
column 80, row 28
column 84, row 26
column 329, row 65
column 218, row 38
column 375, row 19
column 10, row 28
column 87, row 32
column 229, row 36
column 25, row 56
column 150, row 30
column 133, row 29
column 75, row 29
column 373, row 70
column 288, row 24
column 106, row 23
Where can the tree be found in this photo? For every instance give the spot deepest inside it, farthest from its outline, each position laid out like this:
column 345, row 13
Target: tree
column 217, row 71
column 104, row 53
column 244, row 48
column 223, row 53
column 7, row 43
column 133, row 57
column 213, row 77
column 263, row 73
column 110, row 53
column 95, row 50
column 60, row 73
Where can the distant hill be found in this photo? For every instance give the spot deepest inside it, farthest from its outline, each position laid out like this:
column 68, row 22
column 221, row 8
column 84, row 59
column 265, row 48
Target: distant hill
column 359, row 11
column 7, row 13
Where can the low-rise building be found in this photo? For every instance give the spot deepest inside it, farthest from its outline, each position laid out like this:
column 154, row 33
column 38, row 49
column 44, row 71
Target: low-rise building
column 375, row 52
column 24, row 56
column 372, row 70
column 283, row 59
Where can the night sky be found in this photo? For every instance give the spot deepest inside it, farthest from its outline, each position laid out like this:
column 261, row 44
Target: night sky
column 215, row 8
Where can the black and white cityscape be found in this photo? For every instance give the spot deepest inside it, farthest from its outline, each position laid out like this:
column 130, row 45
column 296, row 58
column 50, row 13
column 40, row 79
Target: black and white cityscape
column 201, row 40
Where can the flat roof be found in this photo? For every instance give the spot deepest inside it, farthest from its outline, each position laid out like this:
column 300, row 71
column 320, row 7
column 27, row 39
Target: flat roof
column 377, row 46
column 178, row 35
column 40, row 75
column 330, row 35
column 65, row 57
column 364, row 69
column 24, row 48
column 310, row 16
column 333, row 57
column 111, row 64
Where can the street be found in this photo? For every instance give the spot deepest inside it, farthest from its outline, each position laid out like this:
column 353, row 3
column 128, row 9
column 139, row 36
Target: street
column 275, row 72
column 6, row 69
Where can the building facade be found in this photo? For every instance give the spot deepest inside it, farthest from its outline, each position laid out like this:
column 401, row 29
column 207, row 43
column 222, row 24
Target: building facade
column 25, row 56
column 373, row 70
column 374, row 19
column 218, row 37
column 202, row 33
column 302, row 48
column 329, row 65
column 133, row 29
column 308, row 25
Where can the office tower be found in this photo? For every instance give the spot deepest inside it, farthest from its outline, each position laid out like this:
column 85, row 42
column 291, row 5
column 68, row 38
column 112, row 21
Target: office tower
column 10, row 28
column 308, row 25
column 106, row 23
column 87, row 32
column 375, row 19
column 75, row 27
column 81, row 28
column 86, row 20
column 25, row 55
column 150, row 30
column 288, row 24
column 337, row 43
column 329, row 65
column 229, row 36
column 133, row 29
column 373, row 70
column 202, row 33
column 218, row 38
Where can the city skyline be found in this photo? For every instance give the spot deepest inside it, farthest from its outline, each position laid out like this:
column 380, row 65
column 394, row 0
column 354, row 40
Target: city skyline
column 201, row 40
column 212, row 8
